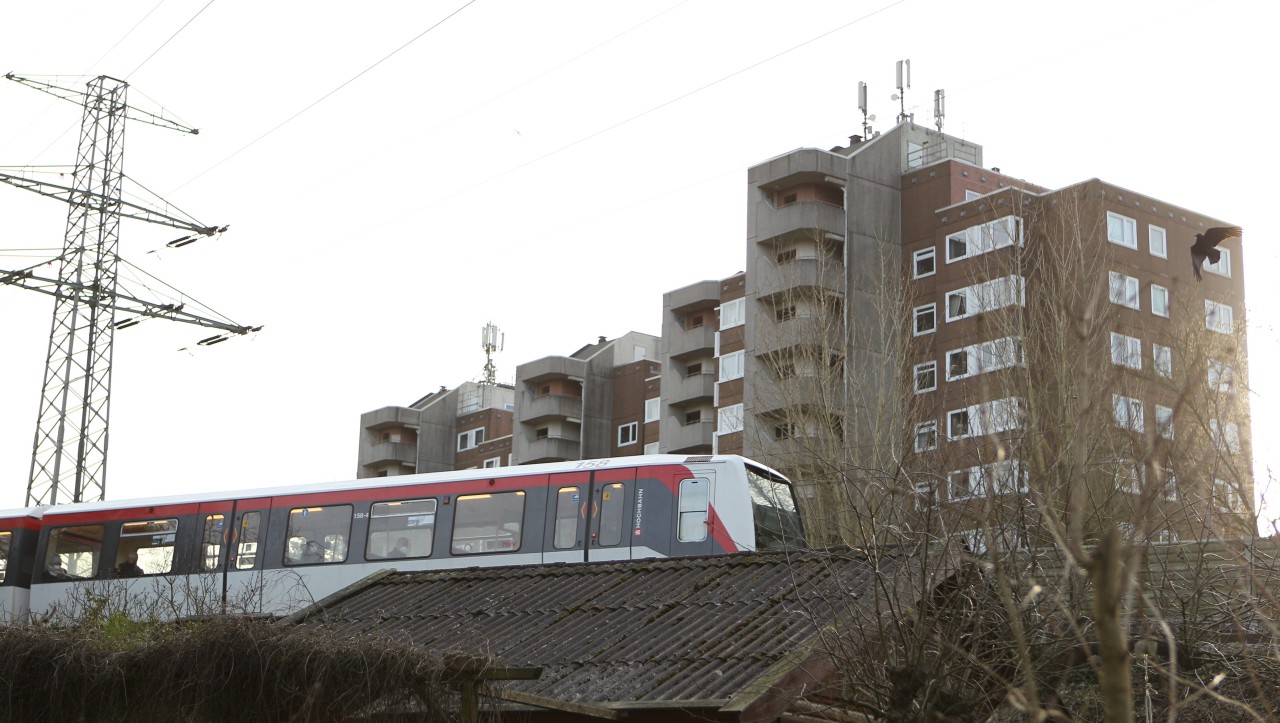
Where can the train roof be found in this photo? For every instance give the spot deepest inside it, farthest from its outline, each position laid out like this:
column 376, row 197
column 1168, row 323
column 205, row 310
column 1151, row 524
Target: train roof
column 33, row 512
column 651, row 460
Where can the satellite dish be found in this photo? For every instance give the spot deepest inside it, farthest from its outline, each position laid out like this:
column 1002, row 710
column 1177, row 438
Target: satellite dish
column 893, row 97
column 871, row 117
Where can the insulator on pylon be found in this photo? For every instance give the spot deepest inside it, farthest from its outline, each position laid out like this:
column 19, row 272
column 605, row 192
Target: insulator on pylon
column 213, row 340
column 126, row 323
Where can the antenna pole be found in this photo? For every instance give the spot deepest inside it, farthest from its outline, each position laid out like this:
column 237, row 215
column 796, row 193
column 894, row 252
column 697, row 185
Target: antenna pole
column 862, row 106
column 491, row 340
column 904, row 84
column 939, row 107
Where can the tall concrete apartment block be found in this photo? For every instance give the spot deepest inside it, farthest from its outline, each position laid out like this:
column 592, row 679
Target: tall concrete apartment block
column 591, row 403
column 906, row 303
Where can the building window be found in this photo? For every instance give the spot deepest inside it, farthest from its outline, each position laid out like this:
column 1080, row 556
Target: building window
column 1124, row 290
column 986, row 296
column 652, row 409
column 1164, row 421
column 541, row 433
column 964, row 483
column 1226, row 496
column 492, row 462
column 693, row 369
column 1218, row 317
column 1126, row 351
column 1222, row 377
column 651, row 448
column 1156, row 242
column 693, row 321
column 731, row 366
column 785, row 256
column 924, row 262
column 694, row 417
column 926, row 436
column 784, row 313
column 957, row 364
column 1223, row 267
column 489, row 522
column 470, row 439
column 1225, row 436
column 732, row 313
column 987, row 356
column 926, row 377
column 998, row 415
column 1162, row 360
column 1122, row 230
column 984, row 237
column 317, row 535
column 958, row 424
column 729, row 419
column 1127, row 412
column 1159, row 300
column 627, row 434
column 785, row 430
column 1128, row 476
column 971, row 195
column 925, row 319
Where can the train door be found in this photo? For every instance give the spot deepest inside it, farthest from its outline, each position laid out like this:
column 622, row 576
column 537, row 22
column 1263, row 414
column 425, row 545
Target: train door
column 612, row 493
column 565, row 531
column 694, row 525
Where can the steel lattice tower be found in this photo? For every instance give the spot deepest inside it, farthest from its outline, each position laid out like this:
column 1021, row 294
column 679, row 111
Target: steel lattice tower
column 69, row 455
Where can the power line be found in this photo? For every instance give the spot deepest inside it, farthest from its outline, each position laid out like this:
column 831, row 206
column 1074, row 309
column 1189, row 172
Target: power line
column 171, row 37
column 324, row 97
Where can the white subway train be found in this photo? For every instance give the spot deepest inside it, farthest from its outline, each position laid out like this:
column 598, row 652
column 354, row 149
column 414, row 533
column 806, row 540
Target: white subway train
column 273, row 550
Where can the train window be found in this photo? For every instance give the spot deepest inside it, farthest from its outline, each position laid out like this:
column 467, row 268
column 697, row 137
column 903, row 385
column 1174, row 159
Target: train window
column 211, row 543
column 611, row 499
column 487, row 523
column 247, row 547
column 401, row 529
column 568, row 504
column 774, row 510
column 146, row 547
column 73, row 552
column 6, row 538
column 695, row 501
column 317, row 535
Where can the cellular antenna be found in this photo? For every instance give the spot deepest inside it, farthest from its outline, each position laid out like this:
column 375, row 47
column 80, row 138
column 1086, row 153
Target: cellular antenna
column 862, row 106
column 904, row 84
column 491, row 340
column 939, row 107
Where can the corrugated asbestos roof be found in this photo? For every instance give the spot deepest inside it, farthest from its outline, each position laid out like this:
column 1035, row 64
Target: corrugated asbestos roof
column 685, row 629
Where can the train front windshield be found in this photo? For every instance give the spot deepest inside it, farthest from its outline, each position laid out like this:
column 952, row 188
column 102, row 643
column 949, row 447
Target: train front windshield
column 774, row 508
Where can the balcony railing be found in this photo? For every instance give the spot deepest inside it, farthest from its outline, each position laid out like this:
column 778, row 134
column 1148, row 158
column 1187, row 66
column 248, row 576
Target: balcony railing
column 551, row 406
column 692, row 388
column 686, row 437
column 550, row 449
column 689, row 341
column 393, row 452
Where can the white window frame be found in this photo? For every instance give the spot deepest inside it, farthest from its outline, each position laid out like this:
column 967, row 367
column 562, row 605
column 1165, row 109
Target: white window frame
column 1162, row 249
column 1126, row 351
column 931, row 254
column 652, row 409
column 955, row 415
column 1127, row 412
column 969, row 364
column 1124, row 290
column 1164, row 421
column 651, row 448
column 1223, row 267
column 729, row 419
column 971, row 195
column 975, row 484
column 492, row 462
column 1122, row 230
column 985, row 237
column 470, row 439
column 1226, row 497
column 931, row 369
column 926, row 437
column 1219, row 317
column 984, row 357
column 733, row 313
column 993, row 417
column 1162, row 360
column 1225, row 436
column 731, row 366
column 986, row 296
column 1160, row 300
column 628, row 433
column 1130, row 476
column 1221, row 377
column 929, row 310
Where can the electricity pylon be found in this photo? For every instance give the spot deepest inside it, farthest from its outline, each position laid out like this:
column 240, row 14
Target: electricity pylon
column 69, row 455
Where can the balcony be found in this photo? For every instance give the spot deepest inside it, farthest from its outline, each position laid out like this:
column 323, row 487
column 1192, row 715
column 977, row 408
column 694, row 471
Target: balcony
column 383, row 452
column 803, row 332
column 688, row 437
column 550, row 449
column 702, row 295
column 821, row 392
column 800, row 216
column 551, row 367
column 551, row 406
column 390, row 417
column 689, row 341
column 692, row 388
column 827, row 274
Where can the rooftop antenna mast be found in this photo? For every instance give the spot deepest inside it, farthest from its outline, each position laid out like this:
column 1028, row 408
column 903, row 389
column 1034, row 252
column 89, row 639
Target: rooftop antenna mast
column 69, row 455
column 904, row 84
column 491, row 340
column 862, row 106
column 939, row 107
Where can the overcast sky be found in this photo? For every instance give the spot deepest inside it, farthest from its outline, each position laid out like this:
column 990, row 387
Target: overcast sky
column 398, row 175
